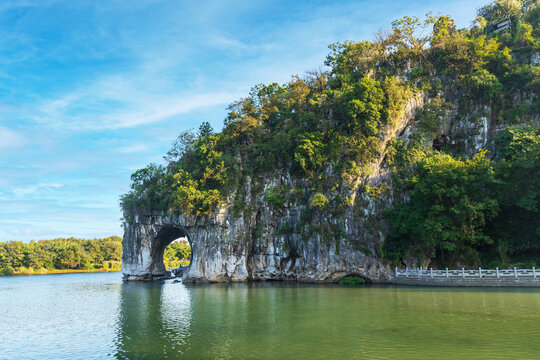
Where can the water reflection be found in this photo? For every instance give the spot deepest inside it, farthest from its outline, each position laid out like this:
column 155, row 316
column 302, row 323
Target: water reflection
column 154, row 320
column 172, row 320
column 96, row 316
column 284, row 320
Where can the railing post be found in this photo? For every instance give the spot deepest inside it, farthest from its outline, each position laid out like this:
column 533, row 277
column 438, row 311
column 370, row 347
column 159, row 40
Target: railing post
column 406, row 271
column 515, row 272
column 431, row 272
column 463, row 272
column 447, row 273
column 534, row 273
column 480, row 272
column 497, row 268
column 396, row 272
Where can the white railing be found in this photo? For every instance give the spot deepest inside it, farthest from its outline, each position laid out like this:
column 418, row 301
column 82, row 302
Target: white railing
column 468, row 274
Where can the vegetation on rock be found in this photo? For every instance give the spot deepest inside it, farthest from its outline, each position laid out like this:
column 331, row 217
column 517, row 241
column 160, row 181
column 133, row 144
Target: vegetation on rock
column 352, row 281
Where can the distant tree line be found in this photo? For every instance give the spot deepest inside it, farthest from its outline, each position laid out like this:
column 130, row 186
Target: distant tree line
column 177, row 254
column 60, row 254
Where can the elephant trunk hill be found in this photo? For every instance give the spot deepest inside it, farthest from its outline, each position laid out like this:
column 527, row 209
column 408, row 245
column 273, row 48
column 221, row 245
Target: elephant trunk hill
column 406, row 151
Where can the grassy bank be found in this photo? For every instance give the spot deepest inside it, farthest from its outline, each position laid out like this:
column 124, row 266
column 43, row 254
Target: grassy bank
column 107, row 267
column 57, row 271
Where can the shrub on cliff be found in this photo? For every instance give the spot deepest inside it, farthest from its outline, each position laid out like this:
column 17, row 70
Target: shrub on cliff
column 450, row 202
column 318, row 201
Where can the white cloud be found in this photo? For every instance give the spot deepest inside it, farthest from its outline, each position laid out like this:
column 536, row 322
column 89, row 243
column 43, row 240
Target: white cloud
column 10, row 138
column 157, row 110
column 123, row 101
column 230, row 42
column 33, row 189
column 132, row 149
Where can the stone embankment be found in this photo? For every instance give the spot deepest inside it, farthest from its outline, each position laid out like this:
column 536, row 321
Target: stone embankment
column 468, row 278
column 467, row 282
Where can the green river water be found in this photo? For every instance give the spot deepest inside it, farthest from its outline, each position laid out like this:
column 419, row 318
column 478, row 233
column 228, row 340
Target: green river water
column 96, row 316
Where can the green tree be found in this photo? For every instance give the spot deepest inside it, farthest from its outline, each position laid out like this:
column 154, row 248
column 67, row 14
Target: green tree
column 450, row 202
column 310, row 154
column 517, row 227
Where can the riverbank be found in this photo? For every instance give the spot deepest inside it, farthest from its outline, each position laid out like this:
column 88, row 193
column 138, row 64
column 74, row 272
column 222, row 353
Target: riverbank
column 44, row 271
column 56, row 271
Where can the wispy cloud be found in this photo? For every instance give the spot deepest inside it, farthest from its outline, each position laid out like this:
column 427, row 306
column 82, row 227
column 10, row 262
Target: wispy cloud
column 34, row 189
column 84, row 110
column 132, row 149
column 10, row 138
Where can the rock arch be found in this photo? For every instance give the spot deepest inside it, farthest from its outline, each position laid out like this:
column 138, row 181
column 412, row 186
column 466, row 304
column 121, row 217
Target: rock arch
column 147, row 234
column 144, row 242
column 166, row 235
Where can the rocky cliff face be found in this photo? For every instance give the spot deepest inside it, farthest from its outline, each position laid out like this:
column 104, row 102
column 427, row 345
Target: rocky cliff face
column 224, row 249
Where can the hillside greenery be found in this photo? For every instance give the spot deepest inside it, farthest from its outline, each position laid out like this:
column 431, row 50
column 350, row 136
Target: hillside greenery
column 472, row 211
column 330, row 129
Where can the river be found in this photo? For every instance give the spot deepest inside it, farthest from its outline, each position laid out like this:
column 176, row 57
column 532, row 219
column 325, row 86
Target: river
column 96, row 316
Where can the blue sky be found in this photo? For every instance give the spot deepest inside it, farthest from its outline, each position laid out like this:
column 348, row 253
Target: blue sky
column 92, row 90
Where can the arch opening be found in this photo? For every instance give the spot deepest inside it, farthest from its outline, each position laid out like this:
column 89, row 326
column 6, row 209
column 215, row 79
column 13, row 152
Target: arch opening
column 171, row 243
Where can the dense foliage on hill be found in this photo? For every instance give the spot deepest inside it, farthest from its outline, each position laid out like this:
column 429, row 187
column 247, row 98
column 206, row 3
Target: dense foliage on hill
column 60, row 254
column 329, row 129
column 472, row 210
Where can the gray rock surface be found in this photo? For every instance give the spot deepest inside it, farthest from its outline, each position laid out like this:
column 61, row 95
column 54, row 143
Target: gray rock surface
column 224, row 250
